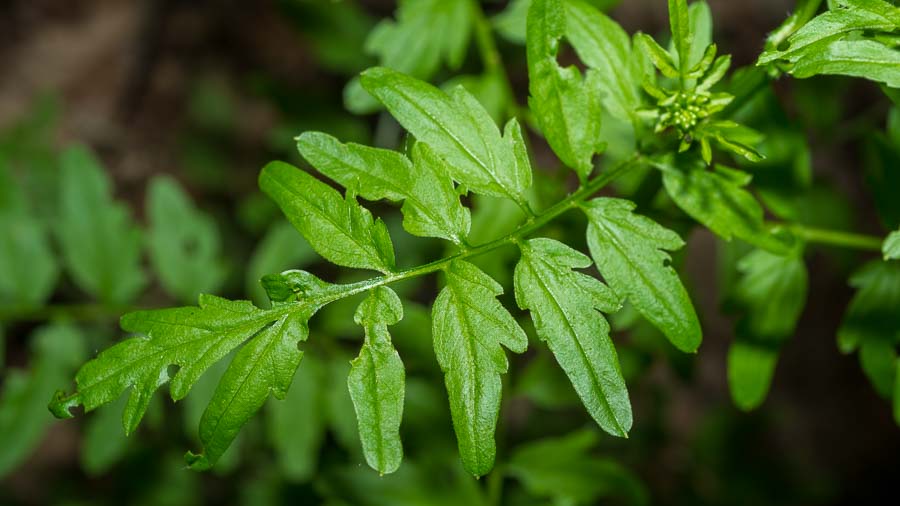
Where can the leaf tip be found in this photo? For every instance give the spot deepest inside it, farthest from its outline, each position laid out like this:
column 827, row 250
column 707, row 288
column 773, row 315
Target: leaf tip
column 61, row 404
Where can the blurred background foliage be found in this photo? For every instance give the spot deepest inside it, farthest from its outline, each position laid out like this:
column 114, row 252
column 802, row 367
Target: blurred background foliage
column 131, row 135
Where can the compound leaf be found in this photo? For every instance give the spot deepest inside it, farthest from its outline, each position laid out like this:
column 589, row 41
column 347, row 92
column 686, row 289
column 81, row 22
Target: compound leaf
column 564, row 305
column 100, row 243
column 469, row 325
column 183, row 242
column 338, row 228
column 459, row 130
column 567, row 107
column 628, row 251
column 377, row 382
column 718, row 200
column 431, row 203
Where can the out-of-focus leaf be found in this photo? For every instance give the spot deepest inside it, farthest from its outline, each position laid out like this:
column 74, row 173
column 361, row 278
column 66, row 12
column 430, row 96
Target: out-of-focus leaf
column 56, row 352
column 104, row 442
column 564, row 469
column 100, row 243
column 183, row 242
column 872, row 313
column 296, row 425
column 772, row 293
column 891, row 247
column 28, row 268
column 750, row 370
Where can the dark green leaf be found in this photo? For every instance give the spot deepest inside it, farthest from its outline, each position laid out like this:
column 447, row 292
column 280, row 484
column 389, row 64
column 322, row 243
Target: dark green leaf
column 469, row 325
column 750, row 370
column 628, row 251
column 772, row 293
column 717, row 199
column 564, row 305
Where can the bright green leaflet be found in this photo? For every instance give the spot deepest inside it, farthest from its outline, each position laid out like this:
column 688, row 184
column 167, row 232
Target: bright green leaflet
column 891, row 247
column 56, row 351
column 564, row 305
column 628, row 250
column 750, row 369
column 431, row 203
column 857, row 58
column 603, row 45
column 717, row 199
column 459, row 130
column 377, row 380
column 469, row 324
column 101, row 245
column 566, row 106
column 565, row 469
column 339, row 229
column 183, row 242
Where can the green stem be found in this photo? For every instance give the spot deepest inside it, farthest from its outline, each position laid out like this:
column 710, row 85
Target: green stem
column 836, row 238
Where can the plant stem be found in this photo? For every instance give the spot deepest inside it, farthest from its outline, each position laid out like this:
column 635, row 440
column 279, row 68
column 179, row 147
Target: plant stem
column 837, row 238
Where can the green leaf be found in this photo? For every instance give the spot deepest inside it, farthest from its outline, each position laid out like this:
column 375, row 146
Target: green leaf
column 296, row 424
column 564, row 305
column 872, row 313
column 56, row 351
column 426, row 33
column 339, row 229
column 878, row 359
column 103, row 443
column 376, row 382
column 566, row 106
column 100, row 244
column 717, row 199
column 459, row 130
column 891, row 247
column 628, row 251
column 603, row 45
column 183, row 242
column 750, row 370
column 661, row 58
column 282, row 248
column 266, row 364
column 24, row 242
column 858, row 58
column 564, row 469
column 431, row 203
column 680, row 24
column 469, row 325
column 771, row 292
column 195, row 338
column 814, row 36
